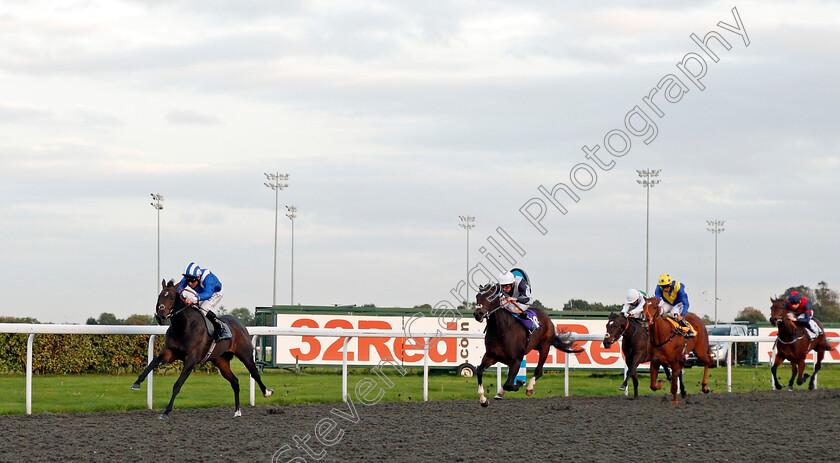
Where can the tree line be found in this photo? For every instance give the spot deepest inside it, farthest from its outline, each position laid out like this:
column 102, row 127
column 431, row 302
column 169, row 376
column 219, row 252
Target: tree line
column 826, row 304
column 242, row 314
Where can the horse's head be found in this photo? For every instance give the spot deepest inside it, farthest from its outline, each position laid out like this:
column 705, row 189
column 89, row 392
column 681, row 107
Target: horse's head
column 167, row 302
column 486, row 300
column 777, row 310
column 615, row 328
column 651, row 310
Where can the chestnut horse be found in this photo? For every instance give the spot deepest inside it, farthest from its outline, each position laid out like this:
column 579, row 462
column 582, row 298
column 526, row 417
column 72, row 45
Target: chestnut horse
column 669, row 347
column 793, row 344
column 635, row 345
column 187, row 339
column 505, row 341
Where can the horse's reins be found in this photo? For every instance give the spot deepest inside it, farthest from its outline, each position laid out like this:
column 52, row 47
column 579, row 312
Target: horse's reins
column 184, row 307
column 779, row 335
column 618, row 336
column 673, row 332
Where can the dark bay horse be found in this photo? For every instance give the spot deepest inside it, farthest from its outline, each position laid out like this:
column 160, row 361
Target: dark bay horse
column 793, row 344
column 505, row 341
column 669, row 347
column 187, row 339
column 635, row 345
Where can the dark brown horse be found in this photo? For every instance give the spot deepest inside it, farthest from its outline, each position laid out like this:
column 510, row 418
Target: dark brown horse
column 793, row 344
column 187, row 339
column 635, row 345
column 507, row 341
column 669, row 347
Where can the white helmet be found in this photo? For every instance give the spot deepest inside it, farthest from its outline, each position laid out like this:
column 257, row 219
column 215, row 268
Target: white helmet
column 189, row 295
column 632, row 296
column 506, row 278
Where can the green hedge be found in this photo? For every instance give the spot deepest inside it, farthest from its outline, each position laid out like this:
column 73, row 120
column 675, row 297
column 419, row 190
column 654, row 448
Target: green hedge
column 73, row 354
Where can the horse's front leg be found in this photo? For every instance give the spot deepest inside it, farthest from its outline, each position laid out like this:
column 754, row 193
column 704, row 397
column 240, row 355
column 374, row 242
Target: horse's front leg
column 802, row 375
column 676, row 379
column 794, row 370
column 776, row 362
column 513, row 369
column 165, row 356
column 654, row 371
column 189, row 365
column 486, row 362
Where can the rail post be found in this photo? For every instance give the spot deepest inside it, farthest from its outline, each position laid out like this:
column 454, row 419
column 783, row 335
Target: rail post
column 251, row 382
column 344, row 369
column 150, row 390
column 567, row 374
column 426, row 370
column 729, row 368
column 29, row 373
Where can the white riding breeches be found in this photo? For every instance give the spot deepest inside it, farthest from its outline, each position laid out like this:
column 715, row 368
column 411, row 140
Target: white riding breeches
column 515, row 307
column 632, row 311
column 673, row 310
column 210, row 304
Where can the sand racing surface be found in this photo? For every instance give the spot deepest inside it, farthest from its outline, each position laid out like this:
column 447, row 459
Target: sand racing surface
column 766, row 426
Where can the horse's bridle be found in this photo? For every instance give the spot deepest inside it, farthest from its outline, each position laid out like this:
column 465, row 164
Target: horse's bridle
column 173, row 313
column 490, row 312
column 618, row 336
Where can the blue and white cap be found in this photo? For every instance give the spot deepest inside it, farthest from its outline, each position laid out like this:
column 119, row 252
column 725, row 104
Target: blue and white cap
column 193, row 270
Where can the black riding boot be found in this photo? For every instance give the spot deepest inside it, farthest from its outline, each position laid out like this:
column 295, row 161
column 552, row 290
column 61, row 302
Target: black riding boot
column 217, row 326
column 689, row 333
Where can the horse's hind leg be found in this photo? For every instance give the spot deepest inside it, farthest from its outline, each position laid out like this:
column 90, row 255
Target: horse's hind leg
column 163, row 358
column 247, row 358
column 189, row 365
column 223, row 364
column 538, row 372
column 817, row 365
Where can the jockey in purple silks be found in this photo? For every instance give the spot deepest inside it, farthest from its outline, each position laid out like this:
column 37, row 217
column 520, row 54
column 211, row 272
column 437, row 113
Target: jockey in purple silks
column 516, row 298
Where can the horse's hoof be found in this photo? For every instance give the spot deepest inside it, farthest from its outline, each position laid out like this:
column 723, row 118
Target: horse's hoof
column 268, row 392
column 622, row 388
column 485, row 404
column 790, row 389
column 164, row 416
column 811, row 387
column 497, row 397
column 706, row 389
column 237, row 413
column 529, row 392
column 135, row 387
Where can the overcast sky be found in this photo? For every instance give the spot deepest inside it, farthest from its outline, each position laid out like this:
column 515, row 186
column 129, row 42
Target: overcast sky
column 394, row 118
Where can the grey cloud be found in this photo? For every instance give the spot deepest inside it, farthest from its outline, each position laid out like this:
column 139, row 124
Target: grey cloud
column 190, row 117
column 14, row 113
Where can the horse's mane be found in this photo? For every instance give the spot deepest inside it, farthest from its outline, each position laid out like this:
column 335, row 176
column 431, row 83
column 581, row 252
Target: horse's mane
column 171, row 282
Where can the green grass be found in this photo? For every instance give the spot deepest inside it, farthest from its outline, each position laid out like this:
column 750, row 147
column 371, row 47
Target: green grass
column 87, row 393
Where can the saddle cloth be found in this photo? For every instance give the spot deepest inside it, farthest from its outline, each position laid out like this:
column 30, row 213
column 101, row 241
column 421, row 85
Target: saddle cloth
column 209, row 325
column 681, row 328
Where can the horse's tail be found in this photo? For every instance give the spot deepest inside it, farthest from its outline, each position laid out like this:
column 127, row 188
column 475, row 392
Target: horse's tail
column 561, row 341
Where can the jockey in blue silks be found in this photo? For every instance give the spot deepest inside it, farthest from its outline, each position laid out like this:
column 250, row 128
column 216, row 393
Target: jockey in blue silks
column 202, row 289
column 516, row 298
column 673, row 300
